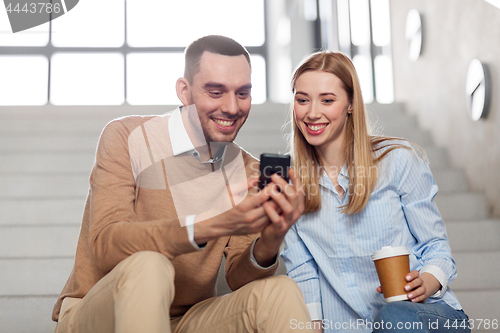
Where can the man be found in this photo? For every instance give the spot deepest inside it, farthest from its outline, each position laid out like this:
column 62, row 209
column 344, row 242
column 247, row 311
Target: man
column 151, row 244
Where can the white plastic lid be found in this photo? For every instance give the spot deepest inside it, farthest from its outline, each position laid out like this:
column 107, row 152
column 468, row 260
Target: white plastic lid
column 389, row 251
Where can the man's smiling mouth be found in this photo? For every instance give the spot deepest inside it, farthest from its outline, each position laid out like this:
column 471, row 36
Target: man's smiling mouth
column 224, row 122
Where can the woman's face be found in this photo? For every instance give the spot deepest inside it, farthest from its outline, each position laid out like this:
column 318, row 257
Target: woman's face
column 321, row 106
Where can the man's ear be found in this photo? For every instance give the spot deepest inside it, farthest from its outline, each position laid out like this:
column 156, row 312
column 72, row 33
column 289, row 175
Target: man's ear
column 182, row 88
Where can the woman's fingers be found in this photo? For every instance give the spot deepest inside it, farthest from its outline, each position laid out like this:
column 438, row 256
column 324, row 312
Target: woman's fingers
column 412, row 275
column 417, row 295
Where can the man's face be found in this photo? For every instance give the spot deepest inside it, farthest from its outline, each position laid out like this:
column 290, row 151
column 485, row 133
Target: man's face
column 221, row 93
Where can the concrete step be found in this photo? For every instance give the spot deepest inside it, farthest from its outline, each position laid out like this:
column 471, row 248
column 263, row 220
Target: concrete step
column 54, row 186
column 474, row 236
column 42, row 211
column 392, row 115
column 471, row 268
column 397, row 122
column 278, row 116
column 85, row 120
column 270, row 142
column 59, row 120
column 40, row 125
column 438, row 158
column 419, row 137
column 256, row 149
column 263, row 127
column 462, row 206
column 39, row 163
column 83, row 111
column 263, row 135
column 450, row 180
column 33, row 277
column 392, row 120
column 401, row 126
column 481, row 305
column 260, row 125
column 70, row 142
column 27, row 314
column 387, row 110
column 38, row 242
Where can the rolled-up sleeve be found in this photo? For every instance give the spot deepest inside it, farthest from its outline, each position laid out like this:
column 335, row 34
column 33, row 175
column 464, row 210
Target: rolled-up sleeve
column 240, row 269
column 417, row 190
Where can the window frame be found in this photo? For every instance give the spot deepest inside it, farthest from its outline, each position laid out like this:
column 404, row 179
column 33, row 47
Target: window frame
column 49, row 50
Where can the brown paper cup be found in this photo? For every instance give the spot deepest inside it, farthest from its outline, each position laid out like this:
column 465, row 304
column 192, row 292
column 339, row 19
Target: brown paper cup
column 392, row 264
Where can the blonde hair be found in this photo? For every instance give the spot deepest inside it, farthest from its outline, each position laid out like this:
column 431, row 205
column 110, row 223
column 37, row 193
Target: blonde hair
column 360, row 149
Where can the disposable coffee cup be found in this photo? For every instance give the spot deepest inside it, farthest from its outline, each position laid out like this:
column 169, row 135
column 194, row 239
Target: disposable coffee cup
column 392, row 264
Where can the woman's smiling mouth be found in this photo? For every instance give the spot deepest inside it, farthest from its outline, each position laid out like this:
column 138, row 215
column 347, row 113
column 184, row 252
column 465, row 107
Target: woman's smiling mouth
column 316, row 129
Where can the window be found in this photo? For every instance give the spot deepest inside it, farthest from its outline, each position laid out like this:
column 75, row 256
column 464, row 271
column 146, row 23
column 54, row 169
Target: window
column 150, row 25
column 365, row 36
column 114, row 52
column 87, row 79
column 23, row 80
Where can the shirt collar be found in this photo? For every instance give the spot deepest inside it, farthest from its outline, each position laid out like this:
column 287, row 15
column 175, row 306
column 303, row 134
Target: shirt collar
column 178, row 134
column 181, row 143
column 342, row 179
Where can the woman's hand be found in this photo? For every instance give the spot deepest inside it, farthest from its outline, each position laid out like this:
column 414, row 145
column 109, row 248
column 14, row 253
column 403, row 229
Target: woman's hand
column 419, row 286
column 285, row 208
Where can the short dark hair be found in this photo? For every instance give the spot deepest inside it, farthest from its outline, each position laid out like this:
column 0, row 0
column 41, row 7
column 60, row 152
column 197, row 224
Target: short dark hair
column 213, row 44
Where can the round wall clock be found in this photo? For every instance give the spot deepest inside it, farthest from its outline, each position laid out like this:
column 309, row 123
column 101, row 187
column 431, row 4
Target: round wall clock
column 413, row 34
column 477, row 90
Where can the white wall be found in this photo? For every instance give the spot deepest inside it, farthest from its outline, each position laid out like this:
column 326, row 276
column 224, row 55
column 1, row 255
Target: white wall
column 433, row 87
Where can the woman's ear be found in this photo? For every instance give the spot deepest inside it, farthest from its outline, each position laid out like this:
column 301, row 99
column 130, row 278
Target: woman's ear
column 349, row 108
column 182, row 88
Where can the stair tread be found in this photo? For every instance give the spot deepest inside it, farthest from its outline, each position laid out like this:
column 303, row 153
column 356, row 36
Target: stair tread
column 43, row 211
column 14, row 319
column 38, row 241
column 480, row 304
column 28, row 186
column 30, row 277
column 462, row 205
column 474, row 235
column 471, row 268
column 56, row 162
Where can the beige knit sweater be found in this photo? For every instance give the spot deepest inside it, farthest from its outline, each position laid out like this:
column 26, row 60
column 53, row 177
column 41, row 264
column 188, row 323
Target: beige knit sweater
column 121, row 218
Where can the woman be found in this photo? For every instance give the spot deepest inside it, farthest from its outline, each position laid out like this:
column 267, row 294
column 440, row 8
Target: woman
column 362, row 193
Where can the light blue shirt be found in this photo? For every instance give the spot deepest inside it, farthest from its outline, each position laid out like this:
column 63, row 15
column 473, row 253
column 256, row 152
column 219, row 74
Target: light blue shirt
column 329, row 254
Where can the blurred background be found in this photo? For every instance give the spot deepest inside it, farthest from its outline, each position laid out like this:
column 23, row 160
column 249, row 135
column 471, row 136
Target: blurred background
column 429, row 70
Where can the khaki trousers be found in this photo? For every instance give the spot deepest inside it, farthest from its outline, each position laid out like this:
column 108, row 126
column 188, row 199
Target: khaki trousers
column 136, row 297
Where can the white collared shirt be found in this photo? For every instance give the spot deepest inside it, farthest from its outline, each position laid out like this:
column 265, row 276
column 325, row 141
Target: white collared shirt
column 181, row 143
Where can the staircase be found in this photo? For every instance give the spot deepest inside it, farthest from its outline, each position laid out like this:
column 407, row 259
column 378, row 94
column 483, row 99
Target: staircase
column 46, row 154
column 474, row 237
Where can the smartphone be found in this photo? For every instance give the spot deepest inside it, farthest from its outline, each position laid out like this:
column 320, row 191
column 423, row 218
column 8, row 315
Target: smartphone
column 271, row 164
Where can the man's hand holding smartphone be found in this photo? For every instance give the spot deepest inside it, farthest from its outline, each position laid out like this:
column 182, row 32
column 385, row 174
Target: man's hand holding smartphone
column 286, row 206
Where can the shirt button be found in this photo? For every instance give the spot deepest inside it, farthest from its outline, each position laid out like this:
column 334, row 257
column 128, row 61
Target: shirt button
column 195, row 154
